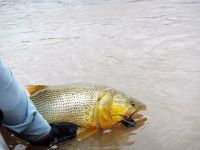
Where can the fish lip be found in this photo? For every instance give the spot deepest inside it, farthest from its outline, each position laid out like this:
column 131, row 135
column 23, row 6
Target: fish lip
column 136, row 111
column 128, row 119
column 139, row 109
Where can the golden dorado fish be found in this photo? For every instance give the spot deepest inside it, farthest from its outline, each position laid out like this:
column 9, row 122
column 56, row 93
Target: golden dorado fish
column 88, row 106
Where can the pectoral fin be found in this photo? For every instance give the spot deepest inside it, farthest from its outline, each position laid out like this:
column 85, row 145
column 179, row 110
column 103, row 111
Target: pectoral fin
column 35, row 88
column 85, row 133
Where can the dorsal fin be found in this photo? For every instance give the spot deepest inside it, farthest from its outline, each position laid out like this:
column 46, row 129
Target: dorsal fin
column 35, row 88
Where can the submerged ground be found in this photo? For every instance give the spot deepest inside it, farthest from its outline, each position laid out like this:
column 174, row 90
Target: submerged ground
column 150, row 49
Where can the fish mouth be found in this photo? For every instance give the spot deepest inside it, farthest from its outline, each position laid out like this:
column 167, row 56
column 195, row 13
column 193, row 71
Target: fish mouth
column 130, row 120
column 139, row 109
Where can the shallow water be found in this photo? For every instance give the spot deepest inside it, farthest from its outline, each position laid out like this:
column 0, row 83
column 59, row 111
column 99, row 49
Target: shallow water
column 150, row 49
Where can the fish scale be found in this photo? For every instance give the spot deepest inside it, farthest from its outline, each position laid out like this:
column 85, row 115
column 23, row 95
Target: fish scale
column 73, row 104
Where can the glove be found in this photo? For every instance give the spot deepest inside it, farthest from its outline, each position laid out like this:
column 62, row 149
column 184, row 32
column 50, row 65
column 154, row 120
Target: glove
column 59, row 133
column 129, row 122
column 1, row 117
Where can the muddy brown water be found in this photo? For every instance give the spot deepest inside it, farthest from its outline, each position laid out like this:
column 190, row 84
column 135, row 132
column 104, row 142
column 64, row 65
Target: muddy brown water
column 149, row 49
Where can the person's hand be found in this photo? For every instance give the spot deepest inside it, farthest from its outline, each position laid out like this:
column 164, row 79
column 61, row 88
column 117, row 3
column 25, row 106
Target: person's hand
column 59, row 133
column 1, row 117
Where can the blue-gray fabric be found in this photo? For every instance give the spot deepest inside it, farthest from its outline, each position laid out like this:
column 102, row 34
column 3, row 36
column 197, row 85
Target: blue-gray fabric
column 20, row 114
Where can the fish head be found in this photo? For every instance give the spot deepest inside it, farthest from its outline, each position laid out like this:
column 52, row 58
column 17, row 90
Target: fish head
column 124, row 107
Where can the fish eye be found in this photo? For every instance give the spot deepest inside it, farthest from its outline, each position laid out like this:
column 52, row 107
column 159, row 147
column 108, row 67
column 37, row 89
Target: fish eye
column 133, row 104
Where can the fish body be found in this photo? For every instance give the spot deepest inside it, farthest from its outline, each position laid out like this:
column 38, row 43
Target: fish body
column 89, row 106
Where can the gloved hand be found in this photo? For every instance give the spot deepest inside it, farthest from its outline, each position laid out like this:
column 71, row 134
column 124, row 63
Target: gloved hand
column 1, row 116
column 59, row 133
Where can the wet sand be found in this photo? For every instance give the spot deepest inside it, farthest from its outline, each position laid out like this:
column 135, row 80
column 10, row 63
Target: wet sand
column 148, row 49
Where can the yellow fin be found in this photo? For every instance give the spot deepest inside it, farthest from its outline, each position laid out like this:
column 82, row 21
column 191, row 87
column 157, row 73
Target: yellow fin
column 85, row 133
column 35, row 88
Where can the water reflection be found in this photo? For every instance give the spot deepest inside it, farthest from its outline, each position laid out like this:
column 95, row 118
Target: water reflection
column 115, row 138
